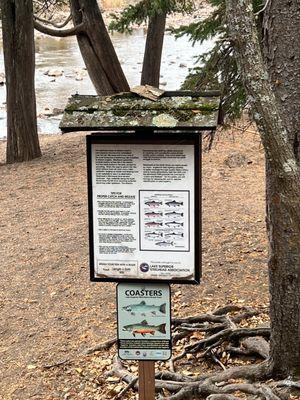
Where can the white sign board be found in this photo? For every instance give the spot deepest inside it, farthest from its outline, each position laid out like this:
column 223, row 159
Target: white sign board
column 142, row 211
column 144, row 321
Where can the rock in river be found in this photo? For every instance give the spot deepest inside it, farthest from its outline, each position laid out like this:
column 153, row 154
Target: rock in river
column 54, row 72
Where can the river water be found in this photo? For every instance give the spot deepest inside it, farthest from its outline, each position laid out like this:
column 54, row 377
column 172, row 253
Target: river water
column 63, row 54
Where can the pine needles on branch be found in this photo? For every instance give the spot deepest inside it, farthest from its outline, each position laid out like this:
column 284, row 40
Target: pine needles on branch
column 139, row 13
column 217, row 69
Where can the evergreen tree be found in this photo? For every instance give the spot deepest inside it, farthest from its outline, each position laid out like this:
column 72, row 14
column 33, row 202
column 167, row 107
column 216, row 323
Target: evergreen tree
column 153, row 13
column 217, row 69
column 146, row 9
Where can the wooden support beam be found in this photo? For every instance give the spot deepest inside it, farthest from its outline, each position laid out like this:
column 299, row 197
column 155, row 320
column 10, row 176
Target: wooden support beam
column 146, row 380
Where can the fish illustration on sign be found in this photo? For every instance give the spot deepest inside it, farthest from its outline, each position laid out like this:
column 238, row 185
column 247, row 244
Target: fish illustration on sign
column 174, row 203
column 174, row 223
column 153, row 223
column 153, row 203
column 174, row 234
column 143, row 308
column 174, row 214
column 153, row 214
column 153, row 234
column 164, row 244
column 143, row 328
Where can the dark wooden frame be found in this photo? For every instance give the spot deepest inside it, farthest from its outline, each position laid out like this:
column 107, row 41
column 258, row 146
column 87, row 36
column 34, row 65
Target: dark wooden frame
column 149, row 136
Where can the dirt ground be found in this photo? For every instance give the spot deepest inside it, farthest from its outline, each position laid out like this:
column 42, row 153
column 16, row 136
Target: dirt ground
column 49, row 311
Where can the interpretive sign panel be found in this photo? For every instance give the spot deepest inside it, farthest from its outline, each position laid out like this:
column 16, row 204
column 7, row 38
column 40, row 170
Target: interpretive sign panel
column 144, row 207
column 144, row 321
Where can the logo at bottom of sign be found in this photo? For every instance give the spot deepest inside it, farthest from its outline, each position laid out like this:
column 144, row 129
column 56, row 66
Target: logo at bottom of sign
column 145, row 355
column 144, row 321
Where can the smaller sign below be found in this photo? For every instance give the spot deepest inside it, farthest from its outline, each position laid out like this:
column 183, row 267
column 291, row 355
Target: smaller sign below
column 144, row 321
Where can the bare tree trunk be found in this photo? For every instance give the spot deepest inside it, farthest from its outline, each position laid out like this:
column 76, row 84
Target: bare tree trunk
column 282, row 55
column 153, row 50
column 19, row 57
column 283, row 192
column 97, row 49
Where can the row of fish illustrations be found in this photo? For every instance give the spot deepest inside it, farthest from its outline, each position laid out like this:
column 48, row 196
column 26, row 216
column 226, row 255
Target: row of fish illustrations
column 160, row 234
column 171, row 224
column 164, row 243
column 143, row 328
column 173, row 203
column 153, row 214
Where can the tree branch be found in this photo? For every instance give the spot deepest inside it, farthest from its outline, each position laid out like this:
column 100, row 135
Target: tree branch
column 55, row 25
column 263, row 9
column 57, row 32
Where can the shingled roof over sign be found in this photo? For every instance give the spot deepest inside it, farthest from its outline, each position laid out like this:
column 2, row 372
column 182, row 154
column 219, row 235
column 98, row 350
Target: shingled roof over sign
column 184, row 109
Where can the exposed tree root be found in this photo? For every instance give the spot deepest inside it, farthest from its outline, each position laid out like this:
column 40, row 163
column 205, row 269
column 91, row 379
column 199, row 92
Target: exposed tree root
column 102, row 346
column 223, row 328
column 221, row 334
column 58, row 363
column 251, row 346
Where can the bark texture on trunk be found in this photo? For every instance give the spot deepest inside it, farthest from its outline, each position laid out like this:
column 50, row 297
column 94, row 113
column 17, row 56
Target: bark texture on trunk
column 97, row 49
column 19, row 58
column 283, row 220
column 282, row 55
column 283, row 192
column 281, row 27
column 153, row 50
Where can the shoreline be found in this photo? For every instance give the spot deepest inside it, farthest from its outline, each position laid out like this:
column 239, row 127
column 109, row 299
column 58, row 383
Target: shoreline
column 174, row 20
column 58, row 72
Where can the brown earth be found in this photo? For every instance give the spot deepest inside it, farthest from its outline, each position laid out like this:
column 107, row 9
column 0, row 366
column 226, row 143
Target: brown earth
column 51, row 313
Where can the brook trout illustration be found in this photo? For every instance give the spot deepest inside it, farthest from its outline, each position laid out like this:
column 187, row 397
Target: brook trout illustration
column 143, row 308
column 143, row 328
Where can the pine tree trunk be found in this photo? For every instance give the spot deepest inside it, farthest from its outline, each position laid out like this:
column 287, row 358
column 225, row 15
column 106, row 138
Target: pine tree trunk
column 97, row 49
column 284, row 274
column 19, row 58
column 153, row 50
column 282, row 55
column 283, row 188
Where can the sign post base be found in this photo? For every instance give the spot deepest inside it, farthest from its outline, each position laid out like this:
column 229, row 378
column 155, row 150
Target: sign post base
column 146, row 380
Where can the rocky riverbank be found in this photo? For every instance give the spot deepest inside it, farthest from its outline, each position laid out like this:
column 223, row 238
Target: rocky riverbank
column 202, row 10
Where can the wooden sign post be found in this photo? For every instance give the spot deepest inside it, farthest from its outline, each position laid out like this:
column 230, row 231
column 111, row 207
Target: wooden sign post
column 146, row 380
column 144, row 197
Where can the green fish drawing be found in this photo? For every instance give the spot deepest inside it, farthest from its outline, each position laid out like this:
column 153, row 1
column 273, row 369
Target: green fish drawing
column 143, row 308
